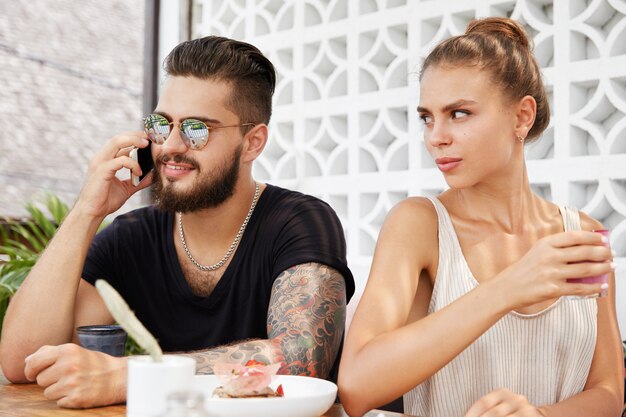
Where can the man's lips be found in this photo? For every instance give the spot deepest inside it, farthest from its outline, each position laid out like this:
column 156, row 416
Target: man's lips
column 171, row 169
column 446, row 164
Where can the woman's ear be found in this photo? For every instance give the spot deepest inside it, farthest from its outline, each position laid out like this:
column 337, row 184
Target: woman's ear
column 525, row 116
column 254, row 142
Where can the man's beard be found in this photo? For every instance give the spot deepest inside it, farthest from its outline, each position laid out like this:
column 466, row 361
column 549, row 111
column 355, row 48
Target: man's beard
column 209, row 190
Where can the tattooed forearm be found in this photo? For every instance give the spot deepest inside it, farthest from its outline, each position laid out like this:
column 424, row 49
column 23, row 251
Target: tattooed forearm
column 241, row 352
column 305, row 324
column 306, row 318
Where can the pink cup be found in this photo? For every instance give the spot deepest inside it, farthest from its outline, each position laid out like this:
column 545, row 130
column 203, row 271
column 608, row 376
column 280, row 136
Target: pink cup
column 598, row 279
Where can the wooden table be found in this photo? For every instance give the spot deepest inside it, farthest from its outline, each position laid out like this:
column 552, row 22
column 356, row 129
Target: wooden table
column 27, row 400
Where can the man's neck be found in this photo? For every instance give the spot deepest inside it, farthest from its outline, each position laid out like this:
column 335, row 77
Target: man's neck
column 209, row 230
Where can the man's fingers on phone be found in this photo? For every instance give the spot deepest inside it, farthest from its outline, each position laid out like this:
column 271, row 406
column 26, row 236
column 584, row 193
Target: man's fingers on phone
column 124, row 140
column 120, row 162
column 128, row 151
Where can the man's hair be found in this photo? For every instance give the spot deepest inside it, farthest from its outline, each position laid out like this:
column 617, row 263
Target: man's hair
column 250, row 74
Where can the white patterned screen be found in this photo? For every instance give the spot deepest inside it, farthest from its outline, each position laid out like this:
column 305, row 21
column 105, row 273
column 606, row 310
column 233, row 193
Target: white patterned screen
column 345, row 127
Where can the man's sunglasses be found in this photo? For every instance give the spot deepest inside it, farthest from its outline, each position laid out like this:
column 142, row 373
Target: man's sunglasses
column 195, row 133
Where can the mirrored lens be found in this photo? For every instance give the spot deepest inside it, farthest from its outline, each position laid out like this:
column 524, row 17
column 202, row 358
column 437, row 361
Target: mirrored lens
column 157, row 127
column 195, row 133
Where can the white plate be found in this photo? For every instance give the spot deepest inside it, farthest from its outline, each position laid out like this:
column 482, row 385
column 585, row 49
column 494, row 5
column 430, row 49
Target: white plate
column 304, row 397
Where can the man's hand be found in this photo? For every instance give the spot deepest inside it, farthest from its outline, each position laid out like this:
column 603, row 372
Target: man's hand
column 103, row 193
column 503, row 403
column 76, row 377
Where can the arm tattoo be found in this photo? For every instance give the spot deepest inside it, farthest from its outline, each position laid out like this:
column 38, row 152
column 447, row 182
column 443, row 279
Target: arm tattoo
column 239, row 352
column 305, row 324
column 306, row 318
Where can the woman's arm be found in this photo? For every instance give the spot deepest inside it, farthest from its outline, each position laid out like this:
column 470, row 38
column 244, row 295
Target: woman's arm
column 392, row 346
column 384, row 357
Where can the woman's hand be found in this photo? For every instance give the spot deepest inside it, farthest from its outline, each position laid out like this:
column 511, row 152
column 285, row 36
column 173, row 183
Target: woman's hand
column 504, row 403
column 543, row 272
column 103, row 193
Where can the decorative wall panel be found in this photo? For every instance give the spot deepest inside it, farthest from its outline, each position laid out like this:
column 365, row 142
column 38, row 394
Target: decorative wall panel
column 345, row 126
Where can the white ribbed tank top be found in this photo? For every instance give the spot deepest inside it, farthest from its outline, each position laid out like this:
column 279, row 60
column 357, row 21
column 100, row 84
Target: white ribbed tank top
column 545, row 356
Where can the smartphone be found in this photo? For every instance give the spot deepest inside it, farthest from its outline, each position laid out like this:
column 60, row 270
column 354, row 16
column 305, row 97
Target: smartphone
column 144, row 157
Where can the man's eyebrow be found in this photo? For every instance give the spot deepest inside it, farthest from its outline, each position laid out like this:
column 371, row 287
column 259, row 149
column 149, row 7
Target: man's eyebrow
column 201, row 118
column 448, row 107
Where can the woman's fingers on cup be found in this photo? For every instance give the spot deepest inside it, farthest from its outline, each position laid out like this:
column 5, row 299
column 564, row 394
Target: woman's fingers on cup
column 575, row 238
column 581, row 253
column 583, row 290
column 585, row 269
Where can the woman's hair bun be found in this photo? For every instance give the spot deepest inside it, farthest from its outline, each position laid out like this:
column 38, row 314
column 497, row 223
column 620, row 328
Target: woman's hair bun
column 500, row 25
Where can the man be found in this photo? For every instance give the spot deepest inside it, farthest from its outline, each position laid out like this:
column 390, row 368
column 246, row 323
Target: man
column 223, row 266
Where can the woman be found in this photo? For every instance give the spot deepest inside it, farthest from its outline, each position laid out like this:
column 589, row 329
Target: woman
column 466, row 310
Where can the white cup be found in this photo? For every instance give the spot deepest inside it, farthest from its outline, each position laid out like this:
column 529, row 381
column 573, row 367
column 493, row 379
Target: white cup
column 150, row 382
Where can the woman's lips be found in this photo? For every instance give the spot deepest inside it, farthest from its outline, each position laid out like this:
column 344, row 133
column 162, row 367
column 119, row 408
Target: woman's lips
column 447, row 164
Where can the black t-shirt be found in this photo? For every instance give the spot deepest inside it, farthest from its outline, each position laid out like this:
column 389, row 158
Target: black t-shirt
column 136, row 255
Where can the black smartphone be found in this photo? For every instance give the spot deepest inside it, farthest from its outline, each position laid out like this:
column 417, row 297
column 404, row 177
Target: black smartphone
column 144, row 157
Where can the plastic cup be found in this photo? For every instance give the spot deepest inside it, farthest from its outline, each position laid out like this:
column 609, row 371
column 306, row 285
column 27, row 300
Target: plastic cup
column 110, row 339
column 598, row 279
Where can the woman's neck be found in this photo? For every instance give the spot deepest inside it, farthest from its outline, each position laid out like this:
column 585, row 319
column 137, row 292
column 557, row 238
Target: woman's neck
column 507, row 202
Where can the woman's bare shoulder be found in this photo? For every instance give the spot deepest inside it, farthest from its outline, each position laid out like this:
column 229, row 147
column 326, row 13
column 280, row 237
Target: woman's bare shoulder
column 414, row 210
column 412, row 226
column 589, row 223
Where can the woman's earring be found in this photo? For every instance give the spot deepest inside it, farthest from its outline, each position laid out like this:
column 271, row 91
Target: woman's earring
column 520, row 138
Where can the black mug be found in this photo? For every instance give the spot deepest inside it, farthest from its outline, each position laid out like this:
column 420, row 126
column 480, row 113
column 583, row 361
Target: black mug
column 107, row 338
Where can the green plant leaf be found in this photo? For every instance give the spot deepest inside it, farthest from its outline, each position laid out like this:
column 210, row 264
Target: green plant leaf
column 36, row 231
column 4, row 303
column 17, row 250
column 32, row 240
column 57, row 208
column 12, row 278
column 4, row 235
column 40, row 219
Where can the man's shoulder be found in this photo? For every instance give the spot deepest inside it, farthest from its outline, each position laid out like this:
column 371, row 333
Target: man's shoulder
column 287, row 199
column 298, row 212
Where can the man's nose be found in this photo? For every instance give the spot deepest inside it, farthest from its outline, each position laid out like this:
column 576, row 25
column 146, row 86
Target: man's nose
column 174, row 143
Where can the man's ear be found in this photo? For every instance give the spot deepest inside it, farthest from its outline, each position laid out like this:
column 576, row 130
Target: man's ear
column 254, row 142
column 525, row 115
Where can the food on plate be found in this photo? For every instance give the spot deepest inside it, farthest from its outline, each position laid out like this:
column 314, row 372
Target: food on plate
column 245, row 381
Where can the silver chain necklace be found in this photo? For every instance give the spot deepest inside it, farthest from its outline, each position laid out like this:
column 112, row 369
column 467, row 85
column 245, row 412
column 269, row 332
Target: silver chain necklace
column 219, row 264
